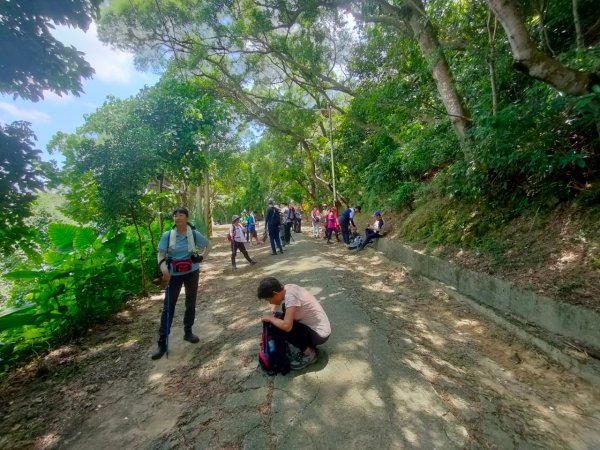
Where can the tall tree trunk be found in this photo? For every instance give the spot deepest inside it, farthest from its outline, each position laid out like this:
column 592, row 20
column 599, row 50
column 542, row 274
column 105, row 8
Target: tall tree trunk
column 492, row 27
column 411, row 19
column 431, row 49
column 577, row 22
column 530, row 60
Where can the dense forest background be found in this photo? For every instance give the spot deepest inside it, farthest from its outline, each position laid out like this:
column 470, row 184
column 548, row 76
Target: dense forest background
column 457, row 119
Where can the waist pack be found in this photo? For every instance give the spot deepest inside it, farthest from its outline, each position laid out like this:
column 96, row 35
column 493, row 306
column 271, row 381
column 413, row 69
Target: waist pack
column 184, row 265
column 272, row 355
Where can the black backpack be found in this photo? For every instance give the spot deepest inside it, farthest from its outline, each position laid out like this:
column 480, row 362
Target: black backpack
column 272, row 355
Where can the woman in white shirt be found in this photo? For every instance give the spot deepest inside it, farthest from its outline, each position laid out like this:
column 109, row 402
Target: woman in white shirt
column 238, row 239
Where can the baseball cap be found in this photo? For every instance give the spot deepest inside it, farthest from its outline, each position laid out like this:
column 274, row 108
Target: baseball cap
column 377, row 213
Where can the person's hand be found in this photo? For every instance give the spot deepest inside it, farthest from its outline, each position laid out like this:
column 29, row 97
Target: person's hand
column 268, row 317
column 166, row 276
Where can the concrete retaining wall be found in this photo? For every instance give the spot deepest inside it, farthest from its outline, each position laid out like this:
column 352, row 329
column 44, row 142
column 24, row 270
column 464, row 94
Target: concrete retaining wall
column 559, row 318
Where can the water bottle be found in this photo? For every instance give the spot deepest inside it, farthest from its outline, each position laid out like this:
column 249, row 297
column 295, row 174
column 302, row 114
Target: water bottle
column 271, row 344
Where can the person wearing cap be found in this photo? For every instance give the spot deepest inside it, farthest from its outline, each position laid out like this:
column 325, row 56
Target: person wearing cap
column 345, row 220
column 373, row 231
column 238, row 239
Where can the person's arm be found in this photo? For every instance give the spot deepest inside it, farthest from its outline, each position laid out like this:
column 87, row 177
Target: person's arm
column 162, row 265
column 285, row 324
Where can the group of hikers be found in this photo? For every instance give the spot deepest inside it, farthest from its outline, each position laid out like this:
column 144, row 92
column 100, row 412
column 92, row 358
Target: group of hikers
column 303, row 320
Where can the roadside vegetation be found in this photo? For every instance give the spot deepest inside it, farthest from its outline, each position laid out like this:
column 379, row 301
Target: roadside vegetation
column 475, row 125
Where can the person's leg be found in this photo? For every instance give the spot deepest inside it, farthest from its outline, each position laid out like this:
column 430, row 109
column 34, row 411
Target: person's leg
column 288, row 233
column 174, row 290
column 242, row 248
column 299, row 336
column 328, row 234
column 273, row 236
column 191, row 291
column 234, row 246
column 345, row 231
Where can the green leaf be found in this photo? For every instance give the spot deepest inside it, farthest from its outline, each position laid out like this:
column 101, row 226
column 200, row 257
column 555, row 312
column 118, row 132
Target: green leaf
column 17, row 316
column 23, row 275
column 84, row 238
column 61, row 234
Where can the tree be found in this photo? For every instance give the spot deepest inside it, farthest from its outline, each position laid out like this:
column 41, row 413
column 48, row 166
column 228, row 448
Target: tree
column 532, row 61
column 31, row 59
column 21, row 175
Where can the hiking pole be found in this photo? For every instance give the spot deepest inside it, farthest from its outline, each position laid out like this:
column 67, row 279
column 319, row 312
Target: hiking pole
column 168, row 324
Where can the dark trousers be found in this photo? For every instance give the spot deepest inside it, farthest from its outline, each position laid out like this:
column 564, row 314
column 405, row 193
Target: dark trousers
column 190, row 281
column 235, row 246
column 274, row 238
column 287, row 232
column 344, row 225
column 301, row 336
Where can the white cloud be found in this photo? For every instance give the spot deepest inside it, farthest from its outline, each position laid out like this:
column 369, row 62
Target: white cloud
column 30, row 115
column 111, row 66
column 55, row 98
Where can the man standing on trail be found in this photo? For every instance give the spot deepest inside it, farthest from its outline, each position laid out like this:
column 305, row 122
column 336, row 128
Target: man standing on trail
column 179, row 263
column 347, row 219
column 272, row 222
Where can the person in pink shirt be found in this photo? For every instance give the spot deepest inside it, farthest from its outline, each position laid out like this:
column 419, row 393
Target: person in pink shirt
column 304, row 323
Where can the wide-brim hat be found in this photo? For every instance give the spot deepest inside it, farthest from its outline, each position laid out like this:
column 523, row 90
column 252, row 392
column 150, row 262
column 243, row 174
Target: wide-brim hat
column 234, row 218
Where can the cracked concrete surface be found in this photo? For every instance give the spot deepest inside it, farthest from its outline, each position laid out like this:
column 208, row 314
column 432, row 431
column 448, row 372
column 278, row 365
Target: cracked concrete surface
column 406, row 367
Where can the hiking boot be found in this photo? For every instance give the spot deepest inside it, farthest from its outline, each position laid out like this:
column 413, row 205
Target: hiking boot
column 191, row 337
column 302, row 361
column 160, row 351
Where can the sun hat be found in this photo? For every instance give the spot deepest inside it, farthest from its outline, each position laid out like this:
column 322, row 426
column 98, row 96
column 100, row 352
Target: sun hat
column 377, row 213
column 234, row 218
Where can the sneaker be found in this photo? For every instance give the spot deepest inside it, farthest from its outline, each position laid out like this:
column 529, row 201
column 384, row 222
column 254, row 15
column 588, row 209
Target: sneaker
column 302, row 361
column 274, row 253
column 159, row 352
column 191, row 337
column 252, row 262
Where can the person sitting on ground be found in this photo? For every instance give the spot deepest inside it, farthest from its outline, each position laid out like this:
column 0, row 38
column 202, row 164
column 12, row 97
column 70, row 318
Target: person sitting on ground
column 373, row 231
column 305, row 323
column 237, row 233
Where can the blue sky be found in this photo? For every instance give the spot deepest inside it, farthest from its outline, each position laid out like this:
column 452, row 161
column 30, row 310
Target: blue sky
column 115, row 75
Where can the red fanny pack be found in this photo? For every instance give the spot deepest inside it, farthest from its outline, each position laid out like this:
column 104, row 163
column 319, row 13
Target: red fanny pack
column 185, row 265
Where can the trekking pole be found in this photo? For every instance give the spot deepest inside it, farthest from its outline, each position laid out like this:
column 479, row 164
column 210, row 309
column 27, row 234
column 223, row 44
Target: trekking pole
column 168, row 324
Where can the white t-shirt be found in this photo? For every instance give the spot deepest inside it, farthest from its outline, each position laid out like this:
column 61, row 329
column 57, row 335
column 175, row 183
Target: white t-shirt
column 309, row 311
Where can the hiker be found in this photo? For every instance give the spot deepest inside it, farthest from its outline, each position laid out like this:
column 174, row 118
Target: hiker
column 305, row 323
column 297, row 220
column 179, row 263
column 251, row 228
column 237, row 233
column 331, row 225
column 315, row 218
column 373, row 231
column 272, row 222
column 244, row 223
column 345, row 220
column 288, row 220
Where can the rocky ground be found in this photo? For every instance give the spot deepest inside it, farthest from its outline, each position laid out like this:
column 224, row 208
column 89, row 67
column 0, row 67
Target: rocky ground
column 406, row 367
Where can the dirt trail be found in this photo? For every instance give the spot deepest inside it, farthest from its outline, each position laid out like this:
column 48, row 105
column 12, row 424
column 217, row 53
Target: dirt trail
column 405, row 360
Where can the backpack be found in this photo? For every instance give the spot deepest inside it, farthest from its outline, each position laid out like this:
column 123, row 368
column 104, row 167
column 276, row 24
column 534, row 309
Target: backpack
column 275, row 220
column 272, row 355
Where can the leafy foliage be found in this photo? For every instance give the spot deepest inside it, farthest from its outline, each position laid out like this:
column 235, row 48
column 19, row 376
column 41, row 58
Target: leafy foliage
column 33, row 61
column 83, row 278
